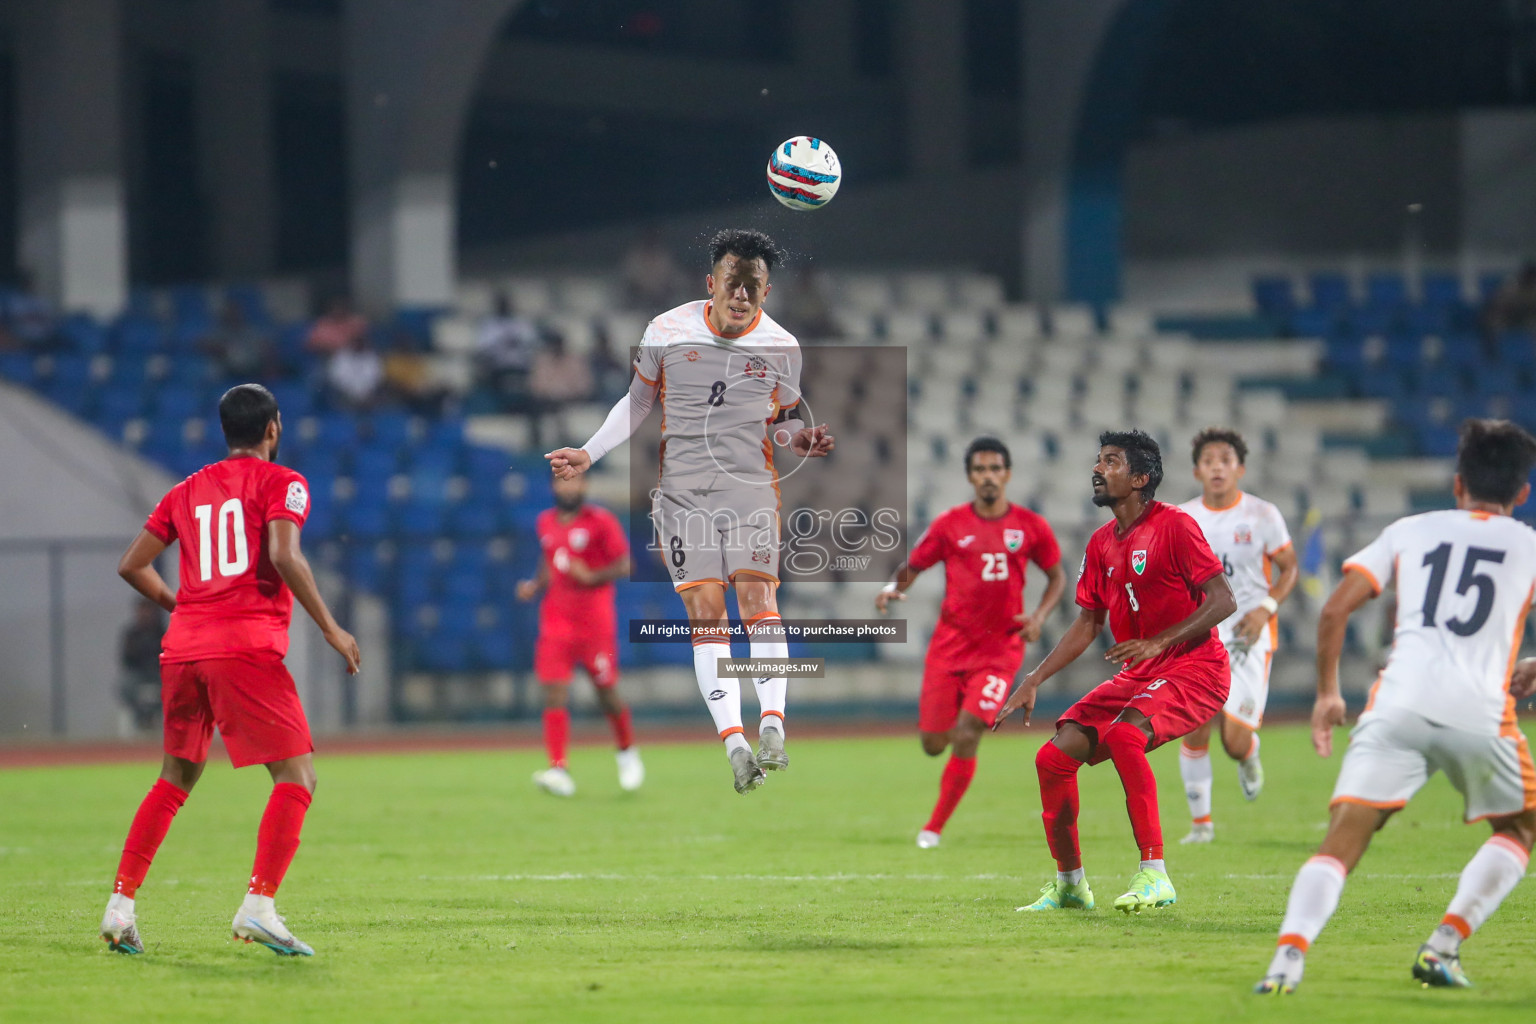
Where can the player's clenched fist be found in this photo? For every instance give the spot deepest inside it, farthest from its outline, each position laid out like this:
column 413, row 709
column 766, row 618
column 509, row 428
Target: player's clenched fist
column 885, row 597
column 1522, row 681
column 568, row 463
column 345, row 644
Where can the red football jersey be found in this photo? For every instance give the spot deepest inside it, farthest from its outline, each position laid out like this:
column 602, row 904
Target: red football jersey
column 984, row 563
column 1150, row 578
column 595, row 536
column 231, row 600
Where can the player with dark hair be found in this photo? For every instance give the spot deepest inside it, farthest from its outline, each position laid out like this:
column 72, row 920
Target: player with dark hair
column 1444, row 702
column 1150, row 571
column 584, row 551
column 1249, row 535
column 238, row 522
column 978, row 645
column 723, row 372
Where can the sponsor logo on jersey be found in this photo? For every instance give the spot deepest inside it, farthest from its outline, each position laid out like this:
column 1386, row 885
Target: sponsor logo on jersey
column 1139, row 561
column 680, row 574
column 965, row 541
column 757, row 366
column 693, row 356
column 1243, row 534
column 762, row 555
column 579, row 539
column 716, row 694
column 298, row 498
column 1013, row 539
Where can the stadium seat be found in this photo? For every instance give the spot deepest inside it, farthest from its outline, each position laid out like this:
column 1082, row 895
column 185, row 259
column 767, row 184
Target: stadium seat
column 1329, row 291
column 365, row 520
column 84, row 334
column 177, row 403
column 1274, row 295
column 420, row 518
column 1385, row 290
column 136, row 336
column 373, row 464
column 366, row 566
column 338, row 429
column 18, row 368
column 1440, row 290
column 386, row 429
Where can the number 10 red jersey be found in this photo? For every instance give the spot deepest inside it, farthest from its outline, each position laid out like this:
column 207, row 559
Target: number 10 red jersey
column 231, row 599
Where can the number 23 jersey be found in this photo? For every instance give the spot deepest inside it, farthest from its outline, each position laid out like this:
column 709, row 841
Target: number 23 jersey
column 230, row 599
column 1464, row 583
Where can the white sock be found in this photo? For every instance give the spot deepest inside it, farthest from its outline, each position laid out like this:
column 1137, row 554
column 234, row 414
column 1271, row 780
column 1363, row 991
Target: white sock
column 1195, row 770
column 768, row 641
column 1154, row 865
column 255, row 904
column 1493, row 871
column 121, row 903
column 1069, row 877
column 721, row 696
column 1253, row 751
column 1314, row 897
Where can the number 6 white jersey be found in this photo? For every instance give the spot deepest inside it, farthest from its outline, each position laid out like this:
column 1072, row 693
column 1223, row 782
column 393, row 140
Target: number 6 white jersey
column 1464, row 585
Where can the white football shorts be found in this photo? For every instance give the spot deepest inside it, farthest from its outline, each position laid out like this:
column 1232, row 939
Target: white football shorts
column 1250, row 680
column 714, row 536
column 1393, row 752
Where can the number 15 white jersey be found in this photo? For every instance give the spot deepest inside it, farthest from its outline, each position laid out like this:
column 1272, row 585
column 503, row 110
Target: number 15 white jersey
column 1464, row 585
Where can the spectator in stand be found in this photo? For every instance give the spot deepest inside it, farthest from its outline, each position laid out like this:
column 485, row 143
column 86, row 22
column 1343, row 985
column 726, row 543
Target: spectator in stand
column 559, row 376
column 610, row 372
column 1513, row 306
column 504, row 352
column 140, row 660
column 28, row 318
column 652, row 278
column 337, row 329
column 408, row 377
column 243, row 350
column 355, row 375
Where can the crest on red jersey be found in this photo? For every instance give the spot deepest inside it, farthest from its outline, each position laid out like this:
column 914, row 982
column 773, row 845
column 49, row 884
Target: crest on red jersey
column 1013, row 539
column 1139, row 561
column 578, row 539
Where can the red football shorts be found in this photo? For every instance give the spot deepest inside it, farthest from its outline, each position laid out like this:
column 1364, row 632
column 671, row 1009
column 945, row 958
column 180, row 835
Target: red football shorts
column 1176, row 697
column 555, row 659
column 250, row 698
column 947, row 691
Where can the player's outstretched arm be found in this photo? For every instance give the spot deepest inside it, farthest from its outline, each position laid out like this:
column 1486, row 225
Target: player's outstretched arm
column 812, row 442
column 623, row 420
column 1219, row 604
column 615, row 570
column 1328, row 711
column 293, row 567
column 1084, row 629
column 137, row 566
column 527, row 590
column 896, row 590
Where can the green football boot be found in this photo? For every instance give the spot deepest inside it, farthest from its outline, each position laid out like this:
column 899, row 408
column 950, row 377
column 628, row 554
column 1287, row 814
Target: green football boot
column 1149, row 888
column 1056, row 896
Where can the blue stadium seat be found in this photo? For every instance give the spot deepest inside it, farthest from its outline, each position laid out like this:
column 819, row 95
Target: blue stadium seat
column 84, row 334
column 366, row 566
column 1488, row 284
column 138, row 336
column 474, row 519
column 465, row 585
column 492, row 648
column 387, row 430
column 1440, row 290
column 365, row 520
column 177, row 402
column 248, row 298
column 1273, row 296
column 1314, row 323
column 189, row 304
column 18, row 368
column 1437, row 440
column 1516, row 349
column 314, row 460
column 1329, row 290
column 116, row 406
column 421, row 519
column 339, row 429
column 448, row 432
column 373, row 464
column 1386, row 290
column 323, row 520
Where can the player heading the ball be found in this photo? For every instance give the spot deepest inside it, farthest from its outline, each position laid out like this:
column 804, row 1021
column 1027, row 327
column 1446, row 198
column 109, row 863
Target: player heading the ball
column 724, row 373
column 1444, row 702
column 977, row 647
column 1150, row 571
column 238, row 522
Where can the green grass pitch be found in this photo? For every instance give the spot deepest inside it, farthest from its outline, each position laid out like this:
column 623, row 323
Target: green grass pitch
column 444, row 887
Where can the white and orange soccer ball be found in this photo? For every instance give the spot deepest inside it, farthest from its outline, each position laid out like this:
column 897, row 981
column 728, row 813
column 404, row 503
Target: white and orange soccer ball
column 803, row 173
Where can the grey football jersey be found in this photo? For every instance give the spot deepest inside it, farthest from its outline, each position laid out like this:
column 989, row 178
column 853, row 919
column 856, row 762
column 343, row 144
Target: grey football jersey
column 718, row 397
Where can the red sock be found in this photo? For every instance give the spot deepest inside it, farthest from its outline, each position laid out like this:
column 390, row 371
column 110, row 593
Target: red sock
column 277, row 840
column 957, row 777
column 1128, row 749
column 150, row 824
column 557, row 733
column 1058, row 804
column 623, row 732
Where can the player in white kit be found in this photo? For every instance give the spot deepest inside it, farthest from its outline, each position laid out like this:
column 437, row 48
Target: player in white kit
column 724, row 373
column 1248, row 534
column 1444, row 702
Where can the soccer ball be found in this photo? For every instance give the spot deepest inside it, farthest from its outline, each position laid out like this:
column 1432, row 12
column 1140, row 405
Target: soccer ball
column 803, row 173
